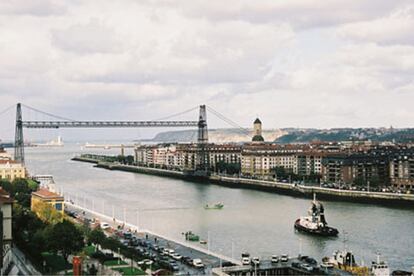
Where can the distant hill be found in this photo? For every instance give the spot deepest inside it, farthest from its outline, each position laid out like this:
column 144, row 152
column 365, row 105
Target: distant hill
column 342, row 134
column 291, row 135
column 214, row 135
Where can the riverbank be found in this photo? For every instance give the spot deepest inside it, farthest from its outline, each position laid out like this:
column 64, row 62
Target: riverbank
column 380, row 198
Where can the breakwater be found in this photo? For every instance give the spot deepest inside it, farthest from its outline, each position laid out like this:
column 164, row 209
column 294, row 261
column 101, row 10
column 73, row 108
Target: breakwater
column 394, row 199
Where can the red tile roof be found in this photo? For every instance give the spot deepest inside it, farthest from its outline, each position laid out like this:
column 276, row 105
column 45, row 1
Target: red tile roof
column 46, row 194
column 8, row 161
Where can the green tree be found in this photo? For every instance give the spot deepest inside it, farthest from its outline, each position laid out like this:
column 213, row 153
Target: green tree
column 129, row 160
column 7, row 186
column 64, row 237
column 96, row 236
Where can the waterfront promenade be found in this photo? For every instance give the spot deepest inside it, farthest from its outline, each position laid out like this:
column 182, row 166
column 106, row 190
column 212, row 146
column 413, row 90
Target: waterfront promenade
column 382, row 198
column 210, row 259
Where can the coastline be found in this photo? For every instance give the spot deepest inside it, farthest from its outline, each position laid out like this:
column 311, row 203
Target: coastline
column 379, row 198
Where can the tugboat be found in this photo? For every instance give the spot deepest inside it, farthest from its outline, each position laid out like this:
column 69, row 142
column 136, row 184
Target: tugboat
column 315, row 222
column 379, row 268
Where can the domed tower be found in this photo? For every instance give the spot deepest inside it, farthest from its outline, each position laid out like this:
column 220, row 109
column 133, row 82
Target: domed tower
column 257, row 129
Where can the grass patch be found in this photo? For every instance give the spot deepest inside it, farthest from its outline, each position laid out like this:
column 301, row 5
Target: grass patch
column 129, row 271
column 55, row 262
column 89, row 250
column 114, row 262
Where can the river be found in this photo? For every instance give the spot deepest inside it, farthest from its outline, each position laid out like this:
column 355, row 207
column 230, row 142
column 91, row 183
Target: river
column 257, row 222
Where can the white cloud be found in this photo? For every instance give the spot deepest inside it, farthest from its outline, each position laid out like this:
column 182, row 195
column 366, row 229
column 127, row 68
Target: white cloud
column 395, row 28
column 293, row 63
column 89, row 38
column 32, row 8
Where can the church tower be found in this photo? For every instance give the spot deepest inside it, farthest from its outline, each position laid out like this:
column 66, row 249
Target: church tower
column 257, row 131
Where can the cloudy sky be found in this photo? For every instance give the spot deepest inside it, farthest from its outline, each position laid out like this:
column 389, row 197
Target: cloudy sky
column 296, row 63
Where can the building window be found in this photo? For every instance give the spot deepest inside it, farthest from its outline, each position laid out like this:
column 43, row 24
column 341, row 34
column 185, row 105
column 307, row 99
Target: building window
column 58, row 206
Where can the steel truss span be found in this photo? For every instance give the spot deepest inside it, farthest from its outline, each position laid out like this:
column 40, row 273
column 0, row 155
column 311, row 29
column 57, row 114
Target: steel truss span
column 107, row 124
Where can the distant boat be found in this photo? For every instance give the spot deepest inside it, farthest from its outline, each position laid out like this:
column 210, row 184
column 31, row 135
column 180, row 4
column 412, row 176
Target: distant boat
column 190, row 236
column 54, row 143
column 315, row 223
column 215, row 206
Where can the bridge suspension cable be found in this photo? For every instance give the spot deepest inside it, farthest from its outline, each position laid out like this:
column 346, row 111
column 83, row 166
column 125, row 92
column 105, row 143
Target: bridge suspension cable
column 239, row 128
column 177, row 114
column 7, row 109
column 47, row 114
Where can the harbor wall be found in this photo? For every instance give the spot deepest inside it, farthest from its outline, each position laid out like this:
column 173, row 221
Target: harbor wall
column 388, row 199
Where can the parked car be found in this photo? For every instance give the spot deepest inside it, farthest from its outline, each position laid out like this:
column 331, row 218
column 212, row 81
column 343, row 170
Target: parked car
column 310, row 261
column 245, row 261
column 176, row 256
column 284, row 257
column 275, row 259
column 170, row 252
column 306, row 267
column 255, row 261
column 296, row 264
column 198, row 263
column 187, row 260
column 104, row 225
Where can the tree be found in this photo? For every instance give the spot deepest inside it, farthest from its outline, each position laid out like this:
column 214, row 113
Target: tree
column 96, row 236
column 64, row 237
column 129, row 159
column 7, row 186
column 20, row 190
column 47, row 213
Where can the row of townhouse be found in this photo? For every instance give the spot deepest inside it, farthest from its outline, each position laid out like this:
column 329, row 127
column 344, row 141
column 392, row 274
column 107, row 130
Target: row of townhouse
column 184, row 156
column 382, row 166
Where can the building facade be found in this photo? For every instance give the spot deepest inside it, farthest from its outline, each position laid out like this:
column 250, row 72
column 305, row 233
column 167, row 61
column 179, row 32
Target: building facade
column 402, row 169
column 45, row 196
column 10, row 170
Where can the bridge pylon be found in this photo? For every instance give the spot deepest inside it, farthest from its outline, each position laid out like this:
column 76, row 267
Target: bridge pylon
column 18, row 138
column 203, row 159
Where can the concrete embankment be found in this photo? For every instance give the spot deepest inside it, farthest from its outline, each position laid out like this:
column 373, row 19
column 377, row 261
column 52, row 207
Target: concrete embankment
column 393, row 199
column 400, row 200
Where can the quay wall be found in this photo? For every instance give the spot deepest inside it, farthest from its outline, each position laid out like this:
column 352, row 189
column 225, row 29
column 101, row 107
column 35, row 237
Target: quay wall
column 393, row 199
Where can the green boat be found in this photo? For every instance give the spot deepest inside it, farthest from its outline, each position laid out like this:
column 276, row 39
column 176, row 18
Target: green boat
column 190, row 236
column 215, row 206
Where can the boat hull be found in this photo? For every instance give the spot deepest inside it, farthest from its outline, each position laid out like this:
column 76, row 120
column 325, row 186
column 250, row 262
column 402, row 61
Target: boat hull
column 325, row 231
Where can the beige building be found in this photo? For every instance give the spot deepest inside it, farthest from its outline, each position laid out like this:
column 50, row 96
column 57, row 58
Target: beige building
column 45, row 196
column 4, row 155
column 10, row 169
column 260, row 159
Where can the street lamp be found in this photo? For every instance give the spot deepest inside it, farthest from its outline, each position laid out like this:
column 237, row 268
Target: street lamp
column 119, row 255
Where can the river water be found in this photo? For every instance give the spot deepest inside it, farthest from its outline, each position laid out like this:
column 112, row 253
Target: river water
column 257, row 222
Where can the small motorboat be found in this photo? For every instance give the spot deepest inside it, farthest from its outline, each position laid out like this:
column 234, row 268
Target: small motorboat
column 315, row 223
column 214, row 206
column 190, row 236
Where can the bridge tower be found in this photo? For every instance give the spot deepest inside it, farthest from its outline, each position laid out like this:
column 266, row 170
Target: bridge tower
column 203, row 160
column 18, row 138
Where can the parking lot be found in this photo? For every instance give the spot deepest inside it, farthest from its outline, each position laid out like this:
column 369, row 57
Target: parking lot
column 178, row 257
